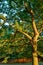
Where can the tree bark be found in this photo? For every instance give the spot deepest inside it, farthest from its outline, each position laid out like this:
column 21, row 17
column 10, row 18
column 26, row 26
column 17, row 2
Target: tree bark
column 35, row 59
column 34, row 55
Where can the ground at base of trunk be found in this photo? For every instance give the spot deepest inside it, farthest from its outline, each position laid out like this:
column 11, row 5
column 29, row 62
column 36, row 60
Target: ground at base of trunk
column 22, row 60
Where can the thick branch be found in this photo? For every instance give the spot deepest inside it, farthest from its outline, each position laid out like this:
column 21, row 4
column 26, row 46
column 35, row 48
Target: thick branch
column 32, row 15
column 28, row 36
column 33, row 23
column 36, row 33
column 34, row 26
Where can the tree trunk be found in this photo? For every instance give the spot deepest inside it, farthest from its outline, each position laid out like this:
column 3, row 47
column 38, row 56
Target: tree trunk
column 34, row 55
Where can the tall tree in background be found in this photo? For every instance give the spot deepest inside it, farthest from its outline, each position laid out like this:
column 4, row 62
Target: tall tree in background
column 28, row 17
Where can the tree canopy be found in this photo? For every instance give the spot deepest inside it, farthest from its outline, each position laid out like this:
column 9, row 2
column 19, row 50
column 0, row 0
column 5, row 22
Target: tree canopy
column 16, row 24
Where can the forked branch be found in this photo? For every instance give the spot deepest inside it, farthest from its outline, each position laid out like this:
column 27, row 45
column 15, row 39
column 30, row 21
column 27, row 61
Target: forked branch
column 36, row 33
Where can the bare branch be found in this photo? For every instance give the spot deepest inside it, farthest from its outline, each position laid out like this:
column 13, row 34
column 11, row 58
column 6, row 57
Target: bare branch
column 32, row 15
column 36, row 33
column 28, row 36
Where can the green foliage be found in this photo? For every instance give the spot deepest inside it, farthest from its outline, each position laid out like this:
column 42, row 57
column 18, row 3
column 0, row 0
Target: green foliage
column 18, row 26
column 13, row 44
column 5, row 60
